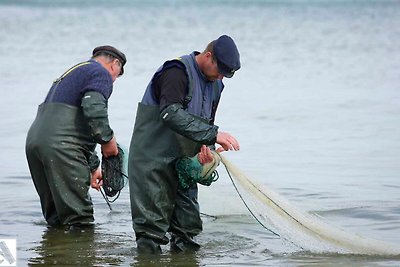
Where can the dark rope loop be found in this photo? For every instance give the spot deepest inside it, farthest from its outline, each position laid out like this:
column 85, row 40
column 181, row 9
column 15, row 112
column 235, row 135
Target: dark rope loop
column 113, row 176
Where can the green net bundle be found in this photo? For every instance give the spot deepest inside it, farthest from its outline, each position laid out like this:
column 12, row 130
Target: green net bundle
column 190, row 171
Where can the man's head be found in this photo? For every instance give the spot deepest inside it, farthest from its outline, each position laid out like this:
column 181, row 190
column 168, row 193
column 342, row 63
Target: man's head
column 220, row 59
column 227, row 56
column 115, row 58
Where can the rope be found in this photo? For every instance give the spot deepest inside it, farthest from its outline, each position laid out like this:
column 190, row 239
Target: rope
column 105, row 198
column 109, row 189
column 113, row 176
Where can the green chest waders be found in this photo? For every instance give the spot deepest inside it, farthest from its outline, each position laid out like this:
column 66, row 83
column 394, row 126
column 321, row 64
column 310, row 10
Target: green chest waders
column 58, row 147
column 158, row 204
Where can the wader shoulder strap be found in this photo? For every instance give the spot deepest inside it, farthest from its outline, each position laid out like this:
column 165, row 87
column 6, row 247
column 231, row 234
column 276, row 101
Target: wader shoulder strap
column 216, row 97
column 189, row 95
column 57, row 81
column 70, row 70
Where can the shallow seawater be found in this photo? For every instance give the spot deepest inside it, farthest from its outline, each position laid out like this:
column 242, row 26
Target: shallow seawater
column 315, row 107
column 228, row 239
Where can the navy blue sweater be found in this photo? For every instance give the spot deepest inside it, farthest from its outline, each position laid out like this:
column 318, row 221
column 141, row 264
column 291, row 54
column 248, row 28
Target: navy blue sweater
column 85, row 78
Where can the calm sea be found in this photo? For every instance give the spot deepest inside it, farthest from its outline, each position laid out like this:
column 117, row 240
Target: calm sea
column 315, row 107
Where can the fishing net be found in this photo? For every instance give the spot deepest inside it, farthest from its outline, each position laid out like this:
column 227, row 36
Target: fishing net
column 191, row 171
column 303, row 230
column 114, row 174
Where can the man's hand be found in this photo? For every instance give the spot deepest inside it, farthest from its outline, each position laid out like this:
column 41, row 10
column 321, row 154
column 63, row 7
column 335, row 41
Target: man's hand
column 205, row 155
column 96, row 180
column 110, row 148
column 227, row 142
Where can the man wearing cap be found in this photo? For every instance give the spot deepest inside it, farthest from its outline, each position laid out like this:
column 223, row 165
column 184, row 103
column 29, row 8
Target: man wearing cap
column 60, row 145
column 175, row 119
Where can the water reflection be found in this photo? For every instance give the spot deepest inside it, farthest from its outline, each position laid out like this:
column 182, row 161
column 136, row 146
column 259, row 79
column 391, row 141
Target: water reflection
column 167, row 259
column 94, row 247
column 63, row 247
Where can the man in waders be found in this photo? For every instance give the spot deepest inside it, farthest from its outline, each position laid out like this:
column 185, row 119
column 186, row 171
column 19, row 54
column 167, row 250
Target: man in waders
column 60, row 146
column 175, row 119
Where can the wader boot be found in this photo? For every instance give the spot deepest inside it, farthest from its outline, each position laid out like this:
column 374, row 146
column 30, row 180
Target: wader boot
column 148, row 246
column 183, row 244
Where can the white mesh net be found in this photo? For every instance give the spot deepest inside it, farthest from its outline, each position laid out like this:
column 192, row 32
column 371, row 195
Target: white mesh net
column 303, row 230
